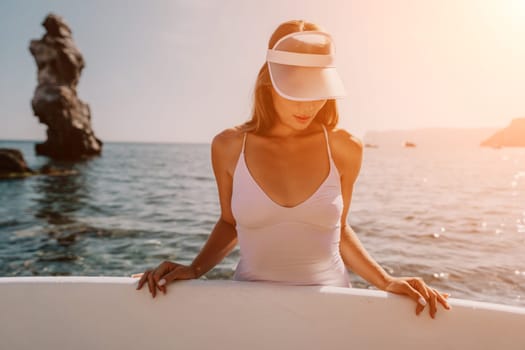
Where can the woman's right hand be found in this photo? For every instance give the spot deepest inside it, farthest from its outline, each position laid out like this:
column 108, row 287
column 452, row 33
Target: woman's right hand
column 165, row 273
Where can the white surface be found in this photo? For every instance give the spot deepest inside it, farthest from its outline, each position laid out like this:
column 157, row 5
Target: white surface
column 109, row 313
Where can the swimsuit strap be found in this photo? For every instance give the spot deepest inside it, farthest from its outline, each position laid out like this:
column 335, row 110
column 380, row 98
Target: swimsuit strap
column 243, row 143
column 327, row 143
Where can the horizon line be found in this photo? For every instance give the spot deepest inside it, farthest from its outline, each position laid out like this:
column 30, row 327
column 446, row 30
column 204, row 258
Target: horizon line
column 209, row 142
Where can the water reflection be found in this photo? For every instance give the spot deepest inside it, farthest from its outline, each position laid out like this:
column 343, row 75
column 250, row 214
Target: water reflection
column 60, row 197
column 59, row 200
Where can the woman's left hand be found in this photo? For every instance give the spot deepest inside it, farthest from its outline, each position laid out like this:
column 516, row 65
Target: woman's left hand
column 421, row 293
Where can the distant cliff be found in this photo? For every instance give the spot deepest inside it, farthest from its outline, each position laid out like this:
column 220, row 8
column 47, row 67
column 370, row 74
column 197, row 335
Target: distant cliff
column 511, row 136
column 429, row 137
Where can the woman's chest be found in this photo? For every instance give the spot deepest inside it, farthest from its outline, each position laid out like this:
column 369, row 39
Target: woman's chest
column 289, row 178
column 254, row 207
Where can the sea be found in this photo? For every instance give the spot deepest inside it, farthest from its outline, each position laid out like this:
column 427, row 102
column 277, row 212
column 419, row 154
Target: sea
column 451, row 214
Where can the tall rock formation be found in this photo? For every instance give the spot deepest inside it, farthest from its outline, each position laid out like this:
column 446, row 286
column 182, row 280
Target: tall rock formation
column 511, row 136
column 55, row 102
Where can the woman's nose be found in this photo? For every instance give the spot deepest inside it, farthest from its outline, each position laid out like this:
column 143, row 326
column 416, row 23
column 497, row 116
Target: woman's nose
column 307, row 109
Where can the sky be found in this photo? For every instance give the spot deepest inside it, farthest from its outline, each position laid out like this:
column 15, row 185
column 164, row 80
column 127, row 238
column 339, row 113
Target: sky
column 184, row 70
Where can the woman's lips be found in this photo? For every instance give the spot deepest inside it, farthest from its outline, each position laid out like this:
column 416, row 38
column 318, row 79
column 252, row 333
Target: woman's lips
column 302, row 118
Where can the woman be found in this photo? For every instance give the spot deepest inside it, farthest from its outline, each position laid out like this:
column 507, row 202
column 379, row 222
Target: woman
column 285, row 181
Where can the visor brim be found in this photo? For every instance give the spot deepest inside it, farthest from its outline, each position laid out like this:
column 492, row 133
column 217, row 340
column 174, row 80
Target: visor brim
column 299, row 83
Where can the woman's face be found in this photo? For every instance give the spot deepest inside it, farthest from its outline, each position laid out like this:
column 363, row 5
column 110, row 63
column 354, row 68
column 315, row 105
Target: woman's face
column 297, row 115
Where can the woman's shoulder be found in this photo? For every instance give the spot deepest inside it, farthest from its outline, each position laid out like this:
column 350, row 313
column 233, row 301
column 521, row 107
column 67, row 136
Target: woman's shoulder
column 228, row 136
column 347, row 152
column 226, row 146
column 345, row 141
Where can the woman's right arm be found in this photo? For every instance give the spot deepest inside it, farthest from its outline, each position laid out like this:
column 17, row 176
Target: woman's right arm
column 225, row 150
column 220, row 243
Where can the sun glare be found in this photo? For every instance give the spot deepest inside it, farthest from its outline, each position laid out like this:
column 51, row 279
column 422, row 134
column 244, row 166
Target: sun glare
column 518, row 6
column 515, row 13
column 508, row 14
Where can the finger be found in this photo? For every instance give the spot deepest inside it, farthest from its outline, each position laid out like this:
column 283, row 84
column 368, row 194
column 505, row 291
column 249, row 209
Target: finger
column 151, row 285
column 441, row 299
column 143, row 279
column 428, row 293
column 159, row 272
column 171, row 276
column 419, row 308
column 420, row 286
column 416, row 296
column 164, row 268
column 158, row 283
column 433, row 307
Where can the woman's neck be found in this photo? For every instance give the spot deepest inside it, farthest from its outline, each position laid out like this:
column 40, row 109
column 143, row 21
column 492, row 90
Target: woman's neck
column 283, row 132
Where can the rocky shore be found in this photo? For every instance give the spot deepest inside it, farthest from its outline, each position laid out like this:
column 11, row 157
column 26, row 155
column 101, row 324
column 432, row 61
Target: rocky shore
column 14, row 166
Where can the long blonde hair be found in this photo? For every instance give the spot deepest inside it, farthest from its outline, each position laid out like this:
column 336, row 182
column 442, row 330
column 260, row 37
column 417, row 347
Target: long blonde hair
column 263, row 113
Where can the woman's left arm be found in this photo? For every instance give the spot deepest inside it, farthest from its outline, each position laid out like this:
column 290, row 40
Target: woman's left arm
column 359, row 261
column 348, row 157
